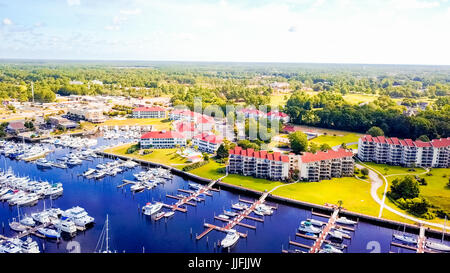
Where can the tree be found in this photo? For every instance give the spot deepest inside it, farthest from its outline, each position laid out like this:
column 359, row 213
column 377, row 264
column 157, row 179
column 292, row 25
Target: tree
column 299, row 142
column 406, row 188
column 325, row 147
column 222, row 152
column 375, row 131
column 424, row 138
column 313, row 147
column 365, row 172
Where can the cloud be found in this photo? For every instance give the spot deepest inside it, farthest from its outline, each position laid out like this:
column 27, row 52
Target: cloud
column 7, row 21
column 73, row 2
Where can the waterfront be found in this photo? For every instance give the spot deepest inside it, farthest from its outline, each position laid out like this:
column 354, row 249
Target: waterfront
column 131, row 231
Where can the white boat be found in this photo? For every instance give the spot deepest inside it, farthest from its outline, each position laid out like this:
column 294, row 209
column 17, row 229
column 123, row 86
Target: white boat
column 406, row 238
column 230, row 240
column 307, row 227
column 239, row 206
column 137, row 187
column 345, row 221
column 27, row 246
column 150, row 208
column 49, row 233
column 104, row 238
column 160, row 214
column 230, row 213
column 16, row 226
column 55, row 190
column 335, row 234
column 79, row 216
column 30, row 200
column 327, row 248
column 169, row 214
column 4, row 191
column 10, row 247
column 99, row 174
column 223, row 216
column 195, row 186
column 89, row 172
column 27, row 221
column 41, row 217
column 316, row 222
column 66, row 225
column 43, row 163
column 437, row 246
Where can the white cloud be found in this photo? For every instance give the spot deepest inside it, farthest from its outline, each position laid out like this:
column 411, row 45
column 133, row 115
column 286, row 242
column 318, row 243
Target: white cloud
column 73, row 2
column 7, row 21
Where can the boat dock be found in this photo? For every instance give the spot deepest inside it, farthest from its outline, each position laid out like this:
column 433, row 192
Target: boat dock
column 231, row 223
column 323, row 235
column 421, row 240
column 126, row 182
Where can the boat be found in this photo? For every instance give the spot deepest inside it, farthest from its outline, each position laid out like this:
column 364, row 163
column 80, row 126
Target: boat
column 27, row 221
column 66, row 225
column 99, row 174
column 29, row 200
column 27, row 246
column 49, row 233
column 230, row 213
column 4, row 191
column 327, row 248
column 194, row 186
column 335, row 234
column 160, row 214
column 169, row 214
column 239, row 206
column 409, row 239
column 345, row 221
column 43, row 163
column 16, row 226
column 230, row 240
column 10, row 247
column 437, row 246
column 316, row 222
column 307, row 227
column 104, row 238
column 150, row 208
column 138, row 187
column 89, row 172
column 41, row 217
column 223, row 216
column 55, row 190
column 79, row 216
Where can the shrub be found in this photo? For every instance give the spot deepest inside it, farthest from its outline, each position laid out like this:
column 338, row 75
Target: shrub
column 194, row 166
column 132, row 149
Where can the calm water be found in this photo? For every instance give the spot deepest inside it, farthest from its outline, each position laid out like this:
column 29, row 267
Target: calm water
column 131, row 231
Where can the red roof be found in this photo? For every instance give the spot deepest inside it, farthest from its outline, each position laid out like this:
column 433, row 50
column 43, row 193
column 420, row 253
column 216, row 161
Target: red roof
column 277, row 114
column 162, row 134
column 420, row 143
column 185, row 127
column 251, row 111
column 330, row 154
column 149, row 109
column 288, row 128
column 211, row 138
column 260, row 154
column 442, row 142
column 16, row 125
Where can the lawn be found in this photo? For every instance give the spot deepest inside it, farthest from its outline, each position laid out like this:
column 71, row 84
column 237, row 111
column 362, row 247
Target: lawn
column 163, row 156
column 359, row 98
column 335, row 140
column 210, row 170
column 279, row 99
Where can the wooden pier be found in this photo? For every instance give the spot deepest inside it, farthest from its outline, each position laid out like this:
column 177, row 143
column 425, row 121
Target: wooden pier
column 421, row 240
column 126, row 182
column 323, row 235
column 300, row 245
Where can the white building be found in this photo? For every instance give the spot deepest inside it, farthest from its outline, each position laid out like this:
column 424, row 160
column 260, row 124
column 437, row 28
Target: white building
column 394, row 151
column 207, row 142
column 93, row 115
column 162, row 140
column 149, row 112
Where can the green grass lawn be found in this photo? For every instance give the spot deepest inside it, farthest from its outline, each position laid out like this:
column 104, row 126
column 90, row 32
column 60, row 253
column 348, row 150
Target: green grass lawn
column 158, row 123
column 359, row 98
column 279, row 99
column 164, row 156
column 210, row 170
column 336, row 140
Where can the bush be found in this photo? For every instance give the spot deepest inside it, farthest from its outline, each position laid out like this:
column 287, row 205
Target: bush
column 132, row 149
column 194, row 166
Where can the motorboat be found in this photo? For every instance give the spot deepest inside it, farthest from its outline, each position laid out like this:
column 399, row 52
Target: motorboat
column 345, row 221
column 437, row 246
column 65, row 225
column 230, row 239
column 169, row 214
column 160, row 214
column 4, row 191
column 10, row 247
column 16, row 226
column 327, row 248
column 43, row 163
column 54, row 212
column 138, row 187
column 230, row 213
column 150, row 208
column 239, row 206
column 27, row 221
column 316, row 222
column 409, row 239
column 79, row 216
column 89, row 172
column 223, row 216
column 49, row 233
column 55, row 190
column 41, row 217
column 29, row 200
column 99, row 174
column 194, row 186
column 307, row 227
column 336, row 235
column 27, row 246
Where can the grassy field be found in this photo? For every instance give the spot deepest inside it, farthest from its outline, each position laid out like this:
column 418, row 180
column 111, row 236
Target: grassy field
column 359, row 98
column 279, row 99
column 159, row 124
column 164, row 156
column 336, row 140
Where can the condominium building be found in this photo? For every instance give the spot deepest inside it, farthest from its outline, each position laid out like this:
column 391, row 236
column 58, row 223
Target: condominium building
column 326, row 165
column 202, row 122
column 162, row 140
column 149, row 112
column 93, row 115
column 207, row 142
column 405, row 152
column 259, row 164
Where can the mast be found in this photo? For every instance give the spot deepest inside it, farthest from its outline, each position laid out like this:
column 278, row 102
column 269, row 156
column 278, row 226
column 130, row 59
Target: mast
column 107, row 230
column 443, row 230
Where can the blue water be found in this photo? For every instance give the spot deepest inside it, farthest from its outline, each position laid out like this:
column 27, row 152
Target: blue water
column 131, row 231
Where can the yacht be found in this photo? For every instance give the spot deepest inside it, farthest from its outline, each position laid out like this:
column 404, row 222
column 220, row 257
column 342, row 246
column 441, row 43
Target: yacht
column 307, row 227
column 89, row 172
column 150, row 208
column 409, row 239
column 169, row 214
column 41, row 217
column 27, row 246
column 195, row 186
column 4, row 191
column 345, row 221
column 43, row 163
column 316, row 222
column 27, row 221
column 239, row 206
column 327, row 248
column 79, row 216
column 230, row 213
column 137, row 187
column 49, row 233
column 29, row 200
column 74, row 162
column 9, row 247
column 66, row 225
column 16, row 226
column 55, row 190
column 230, row 240
column 337, row 235
column 223, row 216
column 437, row 246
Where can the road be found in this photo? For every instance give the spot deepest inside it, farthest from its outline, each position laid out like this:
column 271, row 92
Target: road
column 376, row 183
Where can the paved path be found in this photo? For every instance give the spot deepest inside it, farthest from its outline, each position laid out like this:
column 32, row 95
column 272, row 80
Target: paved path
column 377, row 182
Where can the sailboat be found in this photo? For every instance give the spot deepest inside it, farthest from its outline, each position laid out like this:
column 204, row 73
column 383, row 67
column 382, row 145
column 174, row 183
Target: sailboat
column 104, row 238
column 439, row 246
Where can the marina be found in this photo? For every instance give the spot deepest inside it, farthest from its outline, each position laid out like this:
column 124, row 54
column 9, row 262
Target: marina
column 204, row 208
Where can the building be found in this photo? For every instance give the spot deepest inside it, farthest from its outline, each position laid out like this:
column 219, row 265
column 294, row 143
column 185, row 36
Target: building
column 207, row 142
column 251, row 113
column 149, row 112
column 62, row 122
column 325, row 165
column 259, row 164
column 277, row 115
column 162, row 140
column 405, row 152
column 16, row 127
column 93, row 115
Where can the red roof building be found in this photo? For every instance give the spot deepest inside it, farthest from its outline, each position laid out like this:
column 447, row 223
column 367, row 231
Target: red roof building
column 162, row 140
column 149, row 112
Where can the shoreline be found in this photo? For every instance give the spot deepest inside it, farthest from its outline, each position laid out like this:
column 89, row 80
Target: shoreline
column 431, row 232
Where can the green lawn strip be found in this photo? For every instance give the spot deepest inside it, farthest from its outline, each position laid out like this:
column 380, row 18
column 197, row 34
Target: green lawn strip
column 336, row 140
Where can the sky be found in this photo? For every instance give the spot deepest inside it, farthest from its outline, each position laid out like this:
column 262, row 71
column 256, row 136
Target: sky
column 319, row 31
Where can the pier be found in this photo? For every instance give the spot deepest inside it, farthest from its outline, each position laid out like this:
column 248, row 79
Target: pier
column 421, row 240
column 323, row 235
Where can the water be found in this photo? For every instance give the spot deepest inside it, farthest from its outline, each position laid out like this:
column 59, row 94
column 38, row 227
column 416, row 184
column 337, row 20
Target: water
column 131, row 231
